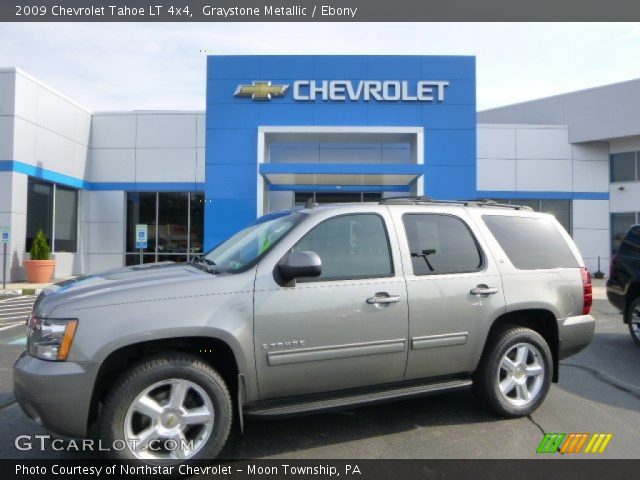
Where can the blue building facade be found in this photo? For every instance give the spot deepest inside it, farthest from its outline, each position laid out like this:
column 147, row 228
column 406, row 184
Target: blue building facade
column 267, row 116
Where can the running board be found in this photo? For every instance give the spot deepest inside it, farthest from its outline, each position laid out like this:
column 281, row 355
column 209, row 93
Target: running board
column 355, row 399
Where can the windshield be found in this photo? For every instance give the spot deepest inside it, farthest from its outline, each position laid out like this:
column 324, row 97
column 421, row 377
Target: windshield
column 244, row 248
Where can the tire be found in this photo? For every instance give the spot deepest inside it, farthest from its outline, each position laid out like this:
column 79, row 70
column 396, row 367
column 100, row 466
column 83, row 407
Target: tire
column 633, row 319
column 502, row 385
column 172, row 396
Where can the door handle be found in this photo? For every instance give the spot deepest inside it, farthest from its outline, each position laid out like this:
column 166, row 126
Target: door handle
column 383, row 299
column 483, row 290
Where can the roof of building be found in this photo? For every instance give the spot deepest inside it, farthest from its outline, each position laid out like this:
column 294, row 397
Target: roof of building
column 594, row 114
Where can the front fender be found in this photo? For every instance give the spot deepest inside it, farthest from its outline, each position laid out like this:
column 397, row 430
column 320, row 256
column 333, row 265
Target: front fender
column 225, row 316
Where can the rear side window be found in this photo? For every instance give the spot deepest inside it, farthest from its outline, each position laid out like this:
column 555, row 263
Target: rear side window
column 441, row 244
column 350, row 246
column 531, row 243
column 630, row 246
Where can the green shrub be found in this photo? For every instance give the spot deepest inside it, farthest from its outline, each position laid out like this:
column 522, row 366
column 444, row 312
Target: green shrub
column 40, row 247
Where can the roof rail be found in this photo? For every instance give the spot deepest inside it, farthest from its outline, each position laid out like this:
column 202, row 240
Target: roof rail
column 426, row 200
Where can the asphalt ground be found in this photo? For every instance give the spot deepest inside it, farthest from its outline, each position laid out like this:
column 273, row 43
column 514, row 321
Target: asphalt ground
column 598, row 392
column 14, row 311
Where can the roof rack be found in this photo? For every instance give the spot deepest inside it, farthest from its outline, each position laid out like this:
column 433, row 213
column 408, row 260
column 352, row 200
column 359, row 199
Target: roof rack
column 426, row 200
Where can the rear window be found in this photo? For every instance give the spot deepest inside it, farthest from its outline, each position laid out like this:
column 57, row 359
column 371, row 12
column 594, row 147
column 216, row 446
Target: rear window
column 531, row 243
column 630, row 246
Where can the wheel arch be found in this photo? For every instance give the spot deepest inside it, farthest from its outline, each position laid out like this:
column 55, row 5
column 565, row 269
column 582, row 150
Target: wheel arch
column 633, row 292
column 214, row 351
column 539, row 320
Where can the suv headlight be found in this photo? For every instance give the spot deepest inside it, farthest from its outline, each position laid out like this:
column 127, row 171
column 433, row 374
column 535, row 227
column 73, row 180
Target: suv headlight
column 50, row 338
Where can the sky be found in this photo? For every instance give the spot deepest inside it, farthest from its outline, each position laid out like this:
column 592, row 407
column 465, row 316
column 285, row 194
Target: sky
column 148, row 66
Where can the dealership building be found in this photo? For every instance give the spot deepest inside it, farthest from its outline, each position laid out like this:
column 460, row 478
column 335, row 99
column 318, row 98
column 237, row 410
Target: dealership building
column 280, row 130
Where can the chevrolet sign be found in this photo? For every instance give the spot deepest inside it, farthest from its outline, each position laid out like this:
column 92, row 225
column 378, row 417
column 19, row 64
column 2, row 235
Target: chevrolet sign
column 342, row 90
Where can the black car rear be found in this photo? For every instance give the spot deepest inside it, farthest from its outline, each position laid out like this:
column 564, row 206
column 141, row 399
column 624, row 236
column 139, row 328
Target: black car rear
column 623, row 286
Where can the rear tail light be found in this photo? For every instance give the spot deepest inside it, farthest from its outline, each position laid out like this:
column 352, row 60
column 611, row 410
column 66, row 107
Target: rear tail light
column 587, row 289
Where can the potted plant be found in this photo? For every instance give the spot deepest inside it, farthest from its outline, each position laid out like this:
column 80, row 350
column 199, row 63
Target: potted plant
column 39, row 268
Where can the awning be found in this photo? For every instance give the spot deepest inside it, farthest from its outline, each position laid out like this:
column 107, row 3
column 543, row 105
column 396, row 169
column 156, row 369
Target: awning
column 340, row 174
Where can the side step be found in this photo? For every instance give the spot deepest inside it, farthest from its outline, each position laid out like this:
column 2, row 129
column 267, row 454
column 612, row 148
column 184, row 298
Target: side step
column 355, row 399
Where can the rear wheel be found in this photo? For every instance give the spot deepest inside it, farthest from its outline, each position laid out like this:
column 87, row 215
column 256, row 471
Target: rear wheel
column 515, row 372
column 171, row 407
column 633, row 319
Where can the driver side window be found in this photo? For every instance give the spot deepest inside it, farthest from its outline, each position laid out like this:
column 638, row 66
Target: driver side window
column 350, row 247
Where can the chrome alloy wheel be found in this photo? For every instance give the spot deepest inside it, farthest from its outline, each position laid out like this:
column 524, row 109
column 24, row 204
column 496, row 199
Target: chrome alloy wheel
column 171, row 419
column 521, row 374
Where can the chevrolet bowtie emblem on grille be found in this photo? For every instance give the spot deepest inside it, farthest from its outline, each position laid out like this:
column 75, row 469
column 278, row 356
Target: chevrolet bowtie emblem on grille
column 261, row 90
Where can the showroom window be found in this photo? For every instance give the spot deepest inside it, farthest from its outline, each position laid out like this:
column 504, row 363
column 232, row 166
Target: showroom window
column 301, row 198
column 561, row 209
column 53, row 209
column 620, row 223
column 175, row 226
column 380, row 152
column 625, row 167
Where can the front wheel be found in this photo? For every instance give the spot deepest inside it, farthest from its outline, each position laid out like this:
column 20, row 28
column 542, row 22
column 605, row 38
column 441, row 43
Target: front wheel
column 515, row 372
column 171, row 407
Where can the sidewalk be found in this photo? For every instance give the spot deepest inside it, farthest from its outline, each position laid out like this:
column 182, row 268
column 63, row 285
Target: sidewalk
column 599, row 289
column 26, row 288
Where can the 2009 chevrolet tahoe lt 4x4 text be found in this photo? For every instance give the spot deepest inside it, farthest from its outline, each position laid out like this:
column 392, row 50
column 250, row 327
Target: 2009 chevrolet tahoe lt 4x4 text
column 305, row 310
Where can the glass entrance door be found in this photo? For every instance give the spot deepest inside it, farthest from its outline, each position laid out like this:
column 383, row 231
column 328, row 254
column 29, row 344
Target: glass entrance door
column 301, row 198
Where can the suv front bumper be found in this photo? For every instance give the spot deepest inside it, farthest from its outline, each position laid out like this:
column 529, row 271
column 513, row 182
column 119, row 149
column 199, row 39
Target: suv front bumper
column 55, row 394
column 575, row 333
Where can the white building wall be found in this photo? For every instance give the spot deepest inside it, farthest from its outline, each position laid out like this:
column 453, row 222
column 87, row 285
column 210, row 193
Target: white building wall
column 51, row 131
column 42, row 128
column 591, row 232
column 539, row 158
column 625, row 196
column 591, row 217
column 103, row 223
column 13, row 213
column 147, row 147
column 129, row 148
column 625, row 144
column 519, row 158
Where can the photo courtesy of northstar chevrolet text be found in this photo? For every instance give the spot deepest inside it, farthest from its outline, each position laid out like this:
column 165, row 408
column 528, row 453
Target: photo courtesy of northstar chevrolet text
column 304, row 241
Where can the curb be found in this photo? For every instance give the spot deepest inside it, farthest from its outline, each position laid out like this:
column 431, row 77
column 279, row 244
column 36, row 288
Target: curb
column 22, row 291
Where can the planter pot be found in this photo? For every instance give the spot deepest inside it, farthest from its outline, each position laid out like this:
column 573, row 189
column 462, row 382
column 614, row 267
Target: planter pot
column 39, row 271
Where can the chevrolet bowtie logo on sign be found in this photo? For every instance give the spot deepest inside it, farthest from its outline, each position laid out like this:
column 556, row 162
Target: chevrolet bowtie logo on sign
column 261, row 90
column 574, row 443
column 343, row 90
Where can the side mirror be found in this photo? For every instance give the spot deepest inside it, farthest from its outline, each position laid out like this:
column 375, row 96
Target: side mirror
column 300, row 264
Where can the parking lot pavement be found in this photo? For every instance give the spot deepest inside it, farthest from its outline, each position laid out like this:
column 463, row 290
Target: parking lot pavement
column 599, row 392
column 14, row 310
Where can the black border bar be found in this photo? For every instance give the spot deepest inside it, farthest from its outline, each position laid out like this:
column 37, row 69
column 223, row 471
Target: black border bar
column 563, row 468
column 316, row 10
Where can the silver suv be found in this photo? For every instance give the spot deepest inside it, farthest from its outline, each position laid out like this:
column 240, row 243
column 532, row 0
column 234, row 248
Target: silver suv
column 306, row 310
